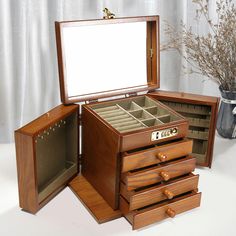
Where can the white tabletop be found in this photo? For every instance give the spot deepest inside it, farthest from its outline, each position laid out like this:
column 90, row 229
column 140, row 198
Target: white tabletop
column 65, row 215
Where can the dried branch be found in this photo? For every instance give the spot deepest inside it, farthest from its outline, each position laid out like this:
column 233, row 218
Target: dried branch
column 213, row 54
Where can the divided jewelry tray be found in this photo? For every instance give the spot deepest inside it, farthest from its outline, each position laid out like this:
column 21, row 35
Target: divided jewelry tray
column 135, row 113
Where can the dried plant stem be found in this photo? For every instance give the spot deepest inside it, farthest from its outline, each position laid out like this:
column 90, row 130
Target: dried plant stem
column 213, row 54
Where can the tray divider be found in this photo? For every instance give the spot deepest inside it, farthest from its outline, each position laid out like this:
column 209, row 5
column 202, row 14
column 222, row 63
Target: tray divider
column 153, row 117
column 131, row 115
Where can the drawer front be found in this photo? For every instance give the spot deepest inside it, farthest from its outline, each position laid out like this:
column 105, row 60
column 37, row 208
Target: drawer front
column 132, row 140
column 156, row 174
column 156, row 155
column 159, row 193
column 158, row 212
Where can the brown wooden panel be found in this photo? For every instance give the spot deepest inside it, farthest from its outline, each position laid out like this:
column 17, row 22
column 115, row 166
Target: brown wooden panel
column 138, row 199
column 187, row 97
column 93, row 201
column 195, row 99
column 158, row 212
column 143, row 138
column 156, row 174
column 156, row 155
column 101, row 162
column 32, row 153
column 47, row 119
column 27, row 185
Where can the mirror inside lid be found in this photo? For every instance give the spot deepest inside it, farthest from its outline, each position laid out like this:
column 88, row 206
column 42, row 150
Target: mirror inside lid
column 103, row 58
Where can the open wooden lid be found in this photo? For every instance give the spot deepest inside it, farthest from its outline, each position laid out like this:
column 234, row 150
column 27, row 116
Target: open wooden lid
column 107, row 57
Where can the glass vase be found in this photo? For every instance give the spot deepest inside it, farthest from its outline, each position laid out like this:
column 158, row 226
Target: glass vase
column 226, row 121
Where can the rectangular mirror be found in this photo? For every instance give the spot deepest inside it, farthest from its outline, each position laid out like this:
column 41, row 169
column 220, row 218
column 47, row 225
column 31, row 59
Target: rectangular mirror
column 102, row 58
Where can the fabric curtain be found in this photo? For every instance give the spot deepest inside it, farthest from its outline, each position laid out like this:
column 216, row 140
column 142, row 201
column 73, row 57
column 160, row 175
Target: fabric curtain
column 29, row 84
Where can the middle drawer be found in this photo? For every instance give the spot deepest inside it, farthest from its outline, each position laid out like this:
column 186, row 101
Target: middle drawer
column 159, row 192
column 151, row 175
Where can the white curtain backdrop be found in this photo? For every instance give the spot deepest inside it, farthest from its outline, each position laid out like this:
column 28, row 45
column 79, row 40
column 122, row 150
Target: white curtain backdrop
column 28, row 62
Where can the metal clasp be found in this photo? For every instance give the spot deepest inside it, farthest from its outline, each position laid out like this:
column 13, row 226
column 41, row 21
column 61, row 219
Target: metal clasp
column 108, row 14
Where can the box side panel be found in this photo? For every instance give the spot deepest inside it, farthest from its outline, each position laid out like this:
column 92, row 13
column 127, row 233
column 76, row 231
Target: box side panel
column 199, row 100
column 26, row 172
column 100, row 157
column 181, row 96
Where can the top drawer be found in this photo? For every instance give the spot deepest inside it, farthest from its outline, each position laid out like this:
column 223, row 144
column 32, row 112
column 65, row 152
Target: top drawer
column 155, row 155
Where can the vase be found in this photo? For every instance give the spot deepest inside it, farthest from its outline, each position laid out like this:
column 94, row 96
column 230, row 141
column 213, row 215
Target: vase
column 226, row 121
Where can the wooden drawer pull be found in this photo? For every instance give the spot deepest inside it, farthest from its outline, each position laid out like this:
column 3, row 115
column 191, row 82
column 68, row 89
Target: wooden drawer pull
column 162, row 157
column 168, row 194
column 171, row 213
column 165, row 175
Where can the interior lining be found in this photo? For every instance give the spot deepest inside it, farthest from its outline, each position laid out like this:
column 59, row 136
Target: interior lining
column 134, row 113
column 199, row 117
column 56, row 155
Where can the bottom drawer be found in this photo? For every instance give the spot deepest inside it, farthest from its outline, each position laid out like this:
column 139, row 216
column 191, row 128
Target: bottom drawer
column 168, row 208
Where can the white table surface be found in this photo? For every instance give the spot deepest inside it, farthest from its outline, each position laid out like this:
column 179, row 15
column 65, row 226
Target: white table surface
column 65, row 215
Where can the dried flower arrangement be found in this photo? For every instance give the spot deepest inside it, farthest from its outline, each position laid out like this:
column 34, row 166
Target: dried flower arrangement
column 212, row 54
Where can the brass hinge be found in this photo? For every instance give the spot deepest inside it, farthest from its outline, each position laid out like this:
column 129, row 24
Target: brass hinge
column 91, row 101
column 134, row 94
column 151, row 52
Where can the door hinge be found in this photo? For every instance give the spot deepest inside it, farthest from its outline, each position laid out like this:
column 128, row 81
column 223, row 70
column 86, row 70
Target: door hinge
column 91, row 101
column 151, row 52
column 80, row 159
column 80, row 120
column 134, row 94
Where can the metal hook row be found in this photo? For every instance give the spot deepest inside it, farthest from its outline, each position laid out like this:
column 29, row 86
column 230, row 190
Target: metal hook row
column 50, row 130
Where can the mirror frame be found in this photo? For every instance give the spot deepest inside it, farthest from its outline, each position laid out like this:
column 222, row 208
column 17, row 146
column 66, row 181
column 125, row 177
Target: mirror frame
column 153, row 57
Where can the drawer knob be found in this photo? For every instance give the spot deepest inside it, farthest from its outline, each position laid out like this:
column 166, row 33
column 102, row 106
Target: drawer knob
column 165, row 175
column 170, row 212
column 168, row 194
column 161, row 156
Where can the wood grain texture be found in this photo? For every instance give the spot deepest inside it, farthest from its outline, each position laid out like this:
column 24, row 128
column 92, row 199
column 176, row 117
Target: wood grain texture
column 101, row 162
column 25, row 142
column 153, row 175
column 158, row 212
column 142, row 138
column 131, row 161
column 27, row 183
column 138, row 199
column 181, row 96
column 93, row 201
column 44, row 121
column 195, row 99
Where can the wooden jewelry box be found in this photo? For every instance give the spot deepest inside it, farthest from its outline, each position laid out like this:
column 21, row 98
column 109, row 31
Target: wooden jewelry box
column 125, row 156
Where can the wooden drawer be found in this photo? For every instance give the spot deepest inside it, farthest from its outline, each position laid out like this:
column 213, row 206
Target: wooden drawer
column 169, row 208
column 164, row 172
column 155, row 155
column 163, row 191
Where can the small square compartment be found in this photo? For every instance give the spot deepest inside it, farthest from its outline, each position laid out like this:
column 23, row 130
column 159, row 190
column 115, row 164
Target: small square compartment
column 158, row 111
column 141, row 115
column 145, row 102
column 152, row 122
column 129, row 106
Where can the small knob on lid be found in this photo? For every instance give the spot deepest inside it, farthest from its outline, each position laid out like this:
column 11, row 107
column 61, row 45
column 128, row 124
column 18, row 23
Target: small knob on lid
column 162, row 157
column 168, row 194
column 165, row 175
column 170, row 212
